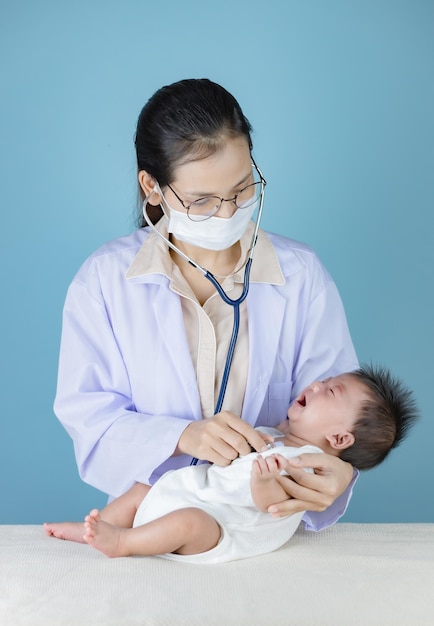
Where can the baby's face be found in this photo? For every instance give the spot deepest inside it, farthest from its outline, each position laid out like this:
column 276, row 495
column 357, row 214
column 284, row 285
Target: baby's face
column 325, row 407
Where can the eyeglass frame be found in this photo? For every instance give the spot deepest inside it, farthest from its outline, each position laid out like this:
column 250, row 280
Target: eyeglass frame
column 262, row 182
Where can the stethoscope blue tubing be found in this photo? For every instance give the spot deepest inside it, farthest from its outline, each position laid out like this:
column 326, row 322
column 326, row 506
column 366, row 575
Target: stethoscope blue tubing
column 234, row 303
column 235, row 330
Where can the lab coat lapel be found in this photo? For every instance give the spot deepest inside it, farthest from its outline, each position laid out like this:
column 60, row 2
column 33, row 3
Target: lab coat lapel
column 264, row 333
column 168, row 315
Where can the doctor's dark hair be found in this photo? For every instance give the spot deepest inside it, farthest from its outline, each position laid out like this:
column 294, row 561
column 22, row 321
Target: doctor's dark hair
column 186, row 121
column 383, row 421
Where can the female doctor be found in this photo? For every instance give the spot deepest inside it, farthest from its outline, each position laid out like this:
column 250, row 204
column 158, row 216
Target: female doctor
column 148, row 342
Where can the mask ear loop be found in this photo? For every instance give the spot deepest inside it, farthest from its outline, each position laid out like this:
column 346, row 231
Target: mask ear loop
column 171, row 245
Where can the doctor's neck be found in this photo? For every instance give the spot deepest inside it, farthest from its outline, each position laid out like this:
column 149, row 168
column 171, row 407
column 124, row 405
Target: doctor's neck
column 221, row 263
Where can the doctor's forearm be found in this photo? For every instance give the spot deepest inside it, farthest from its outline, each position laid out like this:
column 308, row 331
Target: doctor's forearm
column 115, row 450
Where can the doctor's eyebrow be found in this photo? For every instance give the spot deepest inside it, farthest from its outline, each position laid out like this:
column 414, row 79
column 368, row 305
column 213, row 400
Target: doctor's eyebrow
column 204, row 194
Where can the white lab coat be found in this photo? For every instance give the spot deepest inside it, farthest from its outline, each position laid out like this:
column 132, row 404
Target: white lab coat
column 127, row 387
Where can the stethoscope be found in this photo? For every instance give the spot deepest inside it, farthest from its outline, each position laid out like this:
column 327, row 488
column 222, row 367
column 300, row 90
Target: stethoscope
column 235, row 303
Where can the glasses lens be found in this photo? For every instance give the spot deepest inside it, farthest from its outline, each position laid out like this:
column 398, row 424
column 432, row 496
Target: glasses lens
column 249, row 195
column 203, row 208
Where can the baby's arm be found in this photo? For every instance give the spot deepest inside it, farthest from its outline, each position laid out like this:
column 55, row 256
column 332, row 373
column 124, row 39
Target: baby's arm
column 264, row 486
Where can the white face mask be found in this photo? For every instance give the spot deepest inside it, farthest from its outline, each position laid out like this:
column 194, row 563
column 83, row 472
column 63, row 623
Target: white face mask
column 215, row 233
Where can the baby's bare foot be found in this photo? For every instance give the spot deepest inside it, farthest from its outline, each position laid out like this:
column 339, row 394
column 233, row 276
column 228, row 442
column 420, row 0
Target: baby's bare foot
column 71, row 531
column 103, row 536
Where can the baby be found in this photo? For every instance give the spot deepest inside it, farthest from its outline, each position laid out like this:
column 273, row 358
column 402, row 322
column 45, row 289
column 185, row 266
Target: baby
column 210, row 514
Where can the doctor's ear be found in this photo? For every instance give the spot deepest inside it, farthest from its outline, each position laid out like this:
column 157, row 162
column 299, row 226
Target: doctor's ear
column 149, row 187
column 341, row 441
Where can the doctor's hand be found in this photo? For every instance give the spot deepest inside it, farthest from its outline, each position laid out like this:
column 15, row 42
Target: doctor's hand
column 312, row 492
column 220, row 439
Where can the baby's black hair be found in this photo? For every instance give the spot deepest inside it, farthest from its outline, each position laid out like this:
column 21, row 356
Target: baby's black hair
column 383, row 421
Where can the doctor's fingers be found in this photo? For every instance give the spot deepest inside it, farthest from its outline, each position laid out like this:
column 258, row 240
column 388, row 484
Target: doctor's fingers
column 248, row 437
column 220, row 443
column 312, row 497
column 292, row 506
column 222, row 453
column 332, row 475
column 226, row 441
column 212, row 440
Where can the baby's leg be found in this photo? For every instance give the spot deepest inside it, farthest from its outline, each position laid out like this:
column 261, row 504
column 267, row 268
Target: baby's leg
column 184, row 531
column 120, row 512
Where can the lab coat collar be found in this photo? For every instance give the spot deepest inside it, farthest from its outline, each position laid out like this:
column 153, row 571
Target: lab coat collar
column 266, row 306
column 153, row 261
column 153, row 256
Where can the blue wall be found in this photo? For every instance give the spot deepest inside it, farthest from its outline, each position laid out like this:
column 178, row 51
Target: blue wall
column 340, row 94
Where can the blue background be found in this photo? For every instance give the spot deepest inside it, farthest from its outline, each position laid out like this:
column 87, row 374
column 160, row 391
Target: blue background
column 341, row 97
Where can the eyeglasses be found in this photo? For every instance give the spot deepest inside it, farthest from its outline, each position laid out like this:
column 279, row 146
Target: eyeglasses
column 204, row 208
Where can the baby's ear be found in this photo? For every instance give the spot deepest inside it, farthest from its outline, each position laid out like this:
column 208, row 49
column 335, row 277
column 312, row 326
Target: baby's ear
column 341, row 441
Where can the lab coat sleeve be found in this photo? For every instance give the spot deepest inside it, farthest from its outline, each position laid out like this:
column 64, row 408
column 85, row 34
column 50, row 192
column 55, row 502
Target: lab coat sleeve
column 114, row 444
column 316, row 326
column 318, row 520
column 326, row 350
column 325, row 347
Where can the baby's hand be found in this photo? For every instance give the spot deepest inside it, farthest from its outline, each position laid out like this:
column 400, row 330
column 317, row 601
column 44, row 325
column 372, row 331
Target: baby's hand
column 264, row 482
column 266, row 468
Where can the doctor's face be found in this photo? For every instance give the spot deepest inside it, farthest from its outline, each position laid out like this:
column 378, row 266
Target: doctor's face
column 222, row 175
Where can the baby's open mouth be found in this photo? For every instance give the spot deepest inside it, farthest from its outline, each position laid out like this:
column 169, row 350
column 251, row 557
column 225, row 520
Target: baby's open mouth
column 302, row 400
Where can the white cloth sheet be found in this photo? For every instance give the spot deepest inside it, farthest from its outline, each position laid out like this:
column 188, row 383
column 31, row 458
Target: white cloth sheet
column 358, row 574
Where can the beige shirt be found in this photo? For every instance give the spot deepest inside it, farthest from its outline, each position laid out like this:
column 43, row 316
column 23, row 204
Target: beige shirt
column 209, row 327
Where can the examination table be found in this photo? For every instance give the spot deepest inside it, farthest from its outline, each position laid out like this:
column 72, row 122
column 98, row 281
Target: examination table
column 349, row 574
